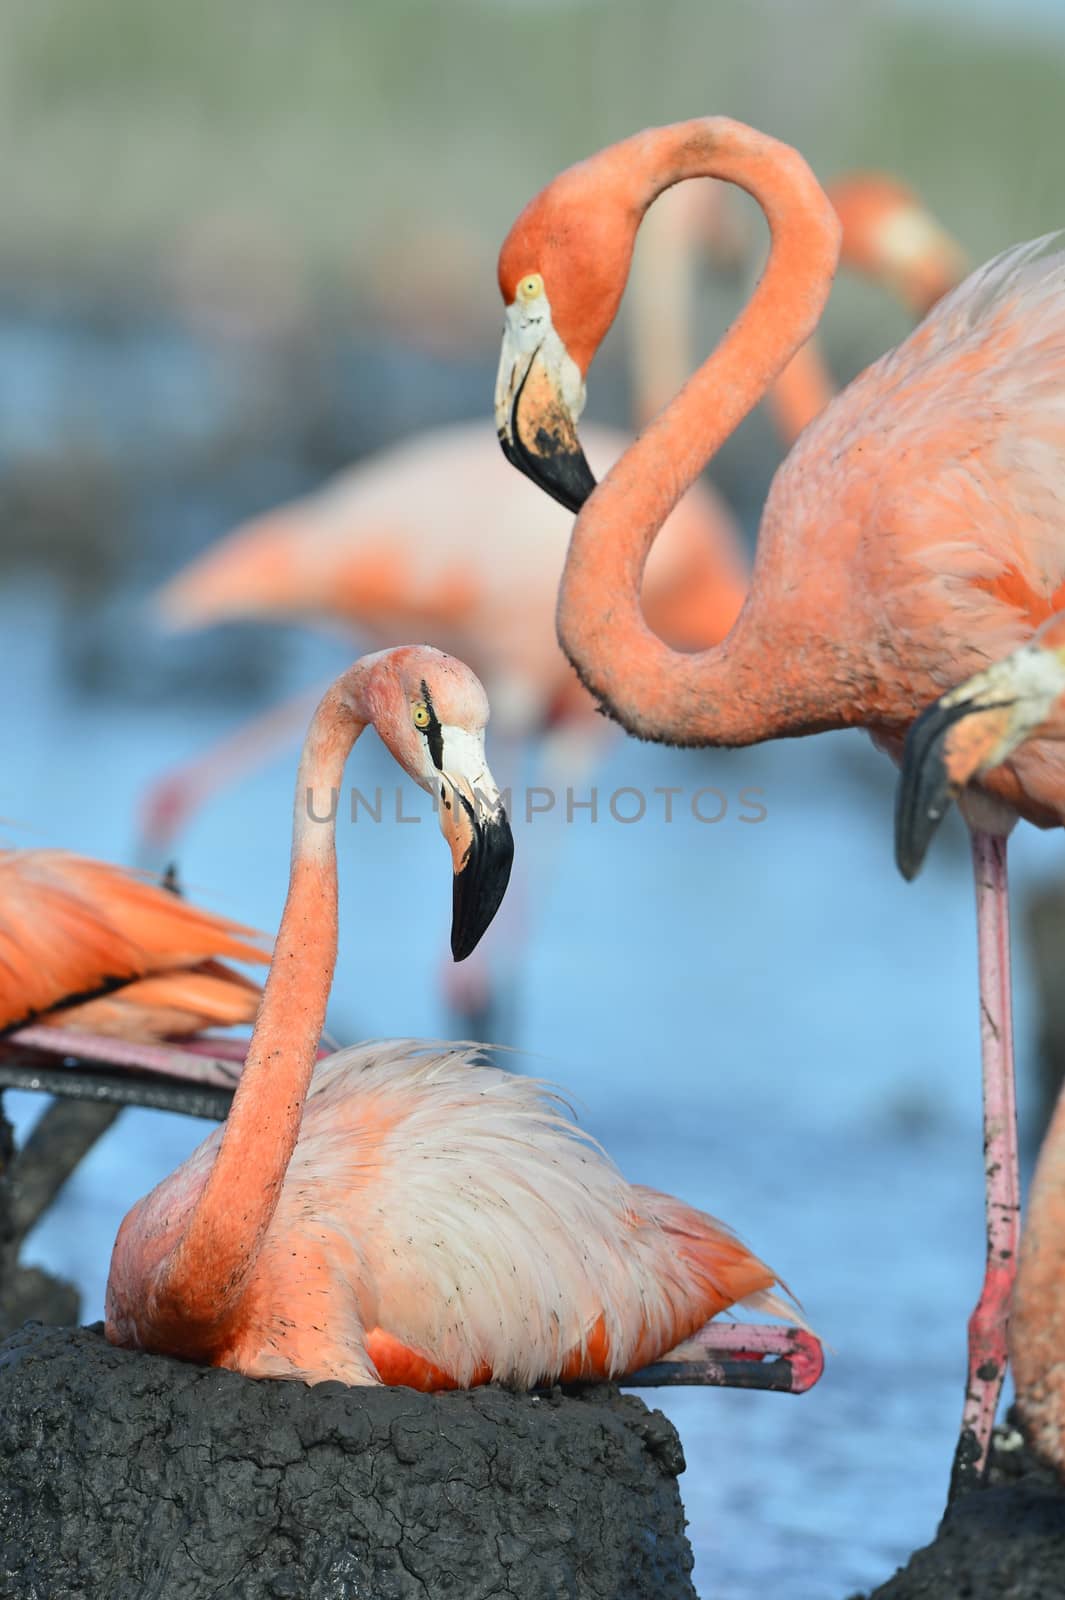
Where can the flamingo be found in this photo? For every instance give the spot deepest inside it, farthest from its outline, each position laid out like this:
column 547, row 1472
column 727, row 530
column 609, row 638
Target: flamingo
column 911, row 533
column 1012, row 716
column 95, row 948
column 402, row 1212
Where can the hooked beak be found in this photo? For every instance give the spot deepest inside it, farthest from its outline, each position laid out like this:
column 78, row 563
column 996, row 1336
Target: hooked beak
column 536, row 425
column 474, row 822
column 943, row 750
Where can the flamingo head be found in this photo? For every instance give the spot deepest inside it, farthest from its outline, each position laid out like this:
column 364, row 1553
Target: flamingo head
column 889, row 234
column 562, row 270
column 431, row 711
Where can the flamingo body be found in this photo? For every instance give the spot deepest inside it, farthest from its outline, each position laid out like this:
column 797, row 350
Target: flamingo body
column 437, row 536
column 443, row 1223
column 944, row 468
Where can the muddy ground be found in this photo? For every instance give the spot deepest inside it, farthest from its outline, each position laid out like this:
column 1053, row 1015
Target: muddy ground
column 1005, row 1542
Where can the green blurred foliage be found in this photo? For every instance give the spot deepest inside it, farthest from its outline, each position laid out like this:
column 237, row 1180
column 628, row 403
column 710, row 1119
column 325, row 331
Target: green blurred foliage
column 345, row 129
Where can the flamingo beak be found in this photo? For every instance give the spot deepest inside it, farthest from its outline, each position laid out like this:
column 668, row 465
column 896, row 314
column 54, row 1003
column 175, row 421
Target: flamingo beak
column 926, row 789
column 960, row 736
column 474, row 822
column 536, row 418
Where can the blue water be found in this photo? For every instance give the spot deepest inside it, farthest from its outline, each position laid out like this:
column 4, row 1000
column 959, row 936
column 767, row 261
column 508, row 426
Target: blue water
column 759, row 1016
column 762, row 1018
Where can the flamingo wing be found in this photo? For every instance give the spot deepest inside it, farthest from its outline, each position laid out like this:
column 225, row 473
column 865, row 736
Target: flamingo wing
column 72, row 928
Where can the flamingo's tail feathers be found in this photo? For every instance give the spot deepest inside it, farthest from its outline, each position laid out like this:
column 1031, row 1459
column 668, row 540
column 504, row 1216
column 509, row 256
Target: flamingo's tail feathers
column 723, row 1272
column 781, row 1307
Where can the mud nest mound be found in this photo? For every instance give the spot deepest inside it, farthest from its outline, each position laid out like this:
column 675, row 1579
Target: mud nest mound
column 125, row 1475
column 1005, row 1542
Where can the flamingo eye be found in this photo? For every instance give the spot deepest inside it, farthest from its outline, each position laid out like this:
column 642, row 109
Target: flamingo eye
column 531, row 287
column 420, row 714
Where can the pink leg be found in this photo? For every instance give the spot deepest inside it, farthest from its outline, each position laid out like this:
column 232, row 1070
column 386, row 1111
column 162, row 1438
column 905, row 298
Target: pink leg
column 737, row 1355
column 987, row 1325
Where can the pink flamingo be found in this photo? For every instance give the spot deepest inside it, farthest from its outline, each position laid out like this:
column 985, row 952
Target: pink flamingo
column 401, row 1212
column 1010, row 718
column 910, row 534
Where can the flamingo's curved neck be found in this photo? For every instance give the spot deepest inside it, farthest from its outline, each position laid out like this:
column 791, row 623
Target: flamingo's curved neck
column 209, row 1270
column 717, row 696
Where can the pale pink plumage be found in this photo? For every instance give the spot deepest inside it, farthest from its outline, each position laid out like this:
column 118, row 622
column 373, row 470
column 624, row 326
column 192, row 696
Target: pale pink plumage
column 459, row 1210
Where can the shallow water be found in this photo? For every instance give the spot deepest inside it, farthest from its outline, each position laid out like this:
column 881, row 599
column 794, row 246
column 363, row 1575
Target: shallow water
column 759, row 1017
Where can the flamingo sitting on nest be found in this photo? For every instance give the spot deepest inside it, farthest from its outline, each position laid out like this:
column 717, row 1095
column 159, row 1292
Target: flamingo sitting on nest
column 913, row 531
column 401, row 1212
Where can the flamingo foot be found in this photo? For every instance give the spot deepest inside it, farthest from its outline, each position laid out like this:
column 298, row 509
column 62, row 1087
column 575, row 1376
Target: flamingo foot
column 987, row 1373
column 989, row 1322
column 738, row 1356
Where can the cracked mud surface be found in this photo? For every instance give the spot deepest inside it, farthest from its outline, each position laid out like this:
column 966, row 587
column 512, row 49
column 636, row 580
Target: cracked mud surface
column 1005, row 1542
column 132, row 1476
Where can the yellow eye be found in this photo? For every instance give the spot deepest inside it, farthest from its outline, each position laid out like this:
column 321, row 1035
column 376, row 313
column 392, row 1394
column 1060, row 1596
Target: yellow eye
column 420, row 713
column 530, row 287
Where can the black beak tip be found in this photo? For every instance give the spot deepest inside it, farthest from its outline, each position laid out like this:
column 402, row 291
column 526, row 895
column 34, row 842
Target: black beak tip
column 910, row 853
column 479, row 888
column 567, row 478
column 563, row 474
column 925, row 790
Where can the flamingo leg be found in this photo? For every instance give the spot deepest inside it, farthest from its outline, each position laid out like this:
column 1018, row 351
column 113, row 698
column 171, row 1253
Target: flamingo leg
column 988, row 1323
column 737, row 1355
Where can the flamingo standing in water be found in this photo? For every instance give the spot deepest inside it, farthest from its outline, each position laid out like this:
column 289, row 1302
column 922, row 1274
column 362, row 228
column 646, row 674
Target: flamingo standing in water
column 401, row 1212
column 913, row 531
column 1010, row 717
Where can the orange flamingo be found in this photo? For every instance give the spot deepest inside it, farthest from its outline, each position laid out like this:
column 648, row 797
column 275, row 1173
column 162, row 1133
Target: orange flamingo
column 90, row 947
column 400, row 1212
column 911, row 533
column 1010, row 715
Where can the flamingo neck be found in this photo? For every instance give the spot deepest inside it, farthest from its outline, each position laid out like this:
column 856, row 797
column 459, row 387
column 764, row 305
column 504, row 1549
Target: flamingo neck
column 718, row 696
column 225, row 1232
